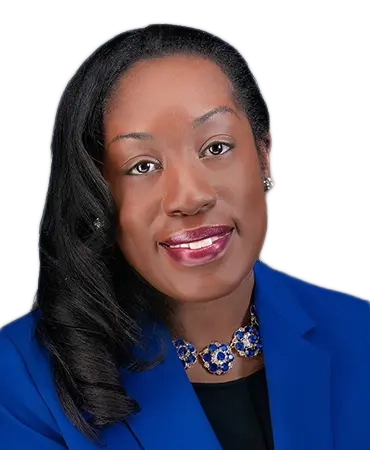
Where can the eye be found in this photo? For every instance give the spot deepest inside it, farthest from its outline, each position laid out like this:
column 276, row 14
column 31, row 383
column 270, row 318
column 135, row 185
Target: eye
column 142, row 168
column 217, row 149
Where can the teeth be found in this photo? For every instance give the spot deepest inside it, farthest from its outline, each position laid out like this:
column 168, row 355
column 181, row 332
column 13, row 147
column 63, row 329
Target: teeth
column 198, row 244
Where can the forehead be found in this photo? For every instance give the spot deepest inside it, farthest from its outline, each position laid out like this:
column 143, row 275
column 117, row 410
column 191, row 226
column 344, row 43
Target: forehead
column 184, row 86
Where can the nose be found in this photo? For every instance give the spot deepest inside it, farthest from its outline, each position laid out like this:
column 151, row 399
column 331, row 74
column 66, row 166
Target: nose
column 188, row 192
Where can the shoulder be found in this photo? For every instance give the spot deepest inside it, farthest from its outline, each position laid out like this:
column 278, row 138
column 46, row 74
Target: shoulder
column 20, row 330
column 18, row 345
column 24, row 406
column 335, row 311
column 19, row 357
column 321, row 301
column 16, row 341
column 309, row 293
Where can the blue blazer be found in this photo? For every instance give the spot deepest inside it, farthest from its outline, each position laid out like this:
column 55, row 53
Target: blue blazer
column 317, row 358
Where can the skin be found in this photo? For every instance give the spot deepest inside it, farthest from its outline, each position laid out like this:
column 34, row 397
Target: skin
column 185, row 185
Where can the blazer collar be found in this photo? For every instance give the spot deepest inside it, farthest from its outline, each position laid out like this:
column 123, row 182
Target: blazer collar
column 297, row 373
column 171, row 415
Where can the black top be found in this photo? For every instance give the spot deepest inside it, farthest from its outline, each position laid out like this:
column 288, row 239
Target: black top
column 238, row 412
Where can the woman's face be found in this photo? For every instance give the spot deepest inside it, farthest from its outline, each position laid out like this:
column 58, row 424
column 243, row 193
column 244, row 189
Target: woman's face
column 186, row 178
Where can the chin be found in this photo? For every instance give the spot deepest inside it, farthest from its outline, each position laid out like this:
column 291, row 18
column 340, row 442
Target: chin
column 204, row 287
column 194, row 296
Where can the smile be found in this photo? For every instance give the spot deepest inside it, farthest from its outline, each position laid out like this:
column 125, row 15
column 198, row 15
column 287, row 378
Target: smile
column 198, row 244
column 201, row 251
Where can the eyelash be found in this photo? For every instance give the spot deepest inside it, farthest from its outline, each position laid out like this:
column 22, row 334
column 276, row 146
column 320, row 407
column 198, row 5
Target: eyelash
column 130, row 171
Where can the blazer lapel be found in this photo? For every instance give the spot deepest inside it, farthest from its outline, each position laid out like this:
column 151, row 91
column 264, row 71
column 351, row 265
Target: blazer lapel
column 297, row 372
column 171, row 415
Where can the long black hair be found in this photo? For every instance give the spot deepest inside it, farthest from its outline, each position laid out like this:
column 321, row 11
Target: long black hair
column 93, row 304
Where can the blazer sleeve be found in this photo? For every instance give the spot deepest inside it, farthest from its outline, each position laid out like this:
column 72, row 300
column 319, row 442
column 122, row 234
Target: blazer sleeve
column 25, row 420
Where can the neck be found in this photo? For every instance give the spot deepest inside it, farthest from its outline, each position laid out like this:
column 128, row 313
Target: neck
column 216, row 320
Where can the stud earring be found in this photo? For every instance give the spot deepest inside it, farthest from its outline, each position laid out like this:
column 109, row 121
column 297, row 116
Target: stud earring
column 98, row 223
column 268, row 184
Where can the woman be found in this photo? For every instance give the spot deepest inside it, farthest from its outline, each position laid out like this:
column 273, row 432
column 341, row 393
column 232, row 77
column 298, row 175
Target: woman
column 155, row 325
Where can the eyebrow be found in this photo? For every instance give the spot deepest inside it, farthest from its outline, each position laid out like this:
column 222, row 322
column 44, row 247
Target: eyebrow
column 223, row 109
column 142, row 136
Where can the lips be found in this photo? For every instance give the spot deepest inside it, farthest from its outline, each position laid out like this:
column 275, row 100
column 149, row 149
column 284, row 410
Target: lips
column 198, row 234
column 200, row 246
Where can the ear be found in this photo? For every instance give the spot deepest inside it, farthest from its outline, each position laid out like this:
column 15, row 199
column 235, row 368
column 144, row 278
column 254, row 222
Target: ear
column 264, row 148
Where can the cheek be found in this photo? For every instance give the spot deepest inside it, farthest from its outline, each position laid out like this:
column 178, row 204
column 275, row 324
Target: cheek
column 134, row 226
column 132, row 239
column 243, row 193
column 243, row 187
column 131, row 220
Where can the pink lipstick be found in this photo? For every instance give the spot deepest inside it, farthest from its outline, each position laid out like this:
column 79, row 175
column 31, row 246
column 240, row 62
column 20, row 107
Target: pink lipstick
column 198, row 246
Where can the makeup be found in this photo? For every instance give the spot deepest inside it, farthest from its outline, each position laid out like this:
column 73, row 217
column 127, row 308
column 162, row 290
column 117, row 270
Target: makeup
column 198, row 246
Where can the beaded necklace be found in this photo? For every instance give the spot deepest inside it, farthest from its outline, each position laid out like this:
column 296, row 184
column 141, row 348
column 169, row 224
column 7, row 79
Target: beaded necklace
column 217, row 358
